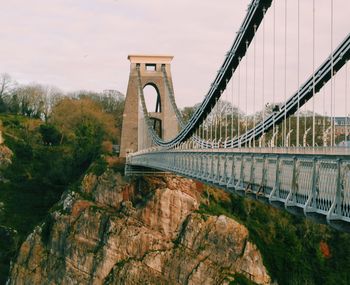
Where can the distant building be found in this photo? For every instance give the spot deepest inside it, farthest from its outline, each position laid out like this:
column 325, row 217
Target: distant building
column 341, row 125
column 341, row 121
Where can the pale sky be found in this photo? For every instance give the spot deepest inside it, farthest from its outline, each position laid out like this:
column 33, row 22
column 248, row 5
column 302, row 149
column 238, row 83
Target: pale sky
column 83, row 44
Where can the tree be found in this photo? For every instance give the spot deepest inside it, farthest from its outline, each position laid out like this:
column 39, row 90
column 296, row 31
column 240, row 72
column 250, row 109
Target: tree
column 6, row 85
column 30, row 98
column 83, row 123
column 111, row 102
column 50, row 134
column 69, row 113
column 13, row 104
column 188, row 112
column 51, row 96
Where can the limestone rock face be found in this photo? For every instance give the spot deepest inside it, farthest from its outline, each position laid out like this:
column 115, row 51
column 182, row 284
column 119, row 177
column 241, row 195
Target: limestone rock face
column 122, row 233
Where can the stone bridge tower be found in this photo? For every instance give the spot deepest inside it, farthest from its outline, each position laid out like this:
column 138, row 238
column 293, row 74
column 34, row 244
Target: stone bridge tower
column 164, row 118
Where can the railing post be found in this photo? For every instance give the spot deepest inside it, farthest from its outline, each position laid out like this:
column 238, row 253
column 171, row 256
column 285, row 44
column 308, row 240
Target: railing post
column 263, row 178
column 239, row 185
column 224, row 178
column 291, row 198
column 211, row 172
column 192, row 162
column 335, row 209
column 231, row 181
column 277, row 180
column 252, row 168
column 188, row 168
column 311, row 203
column 225, row 169
column 205, row 168
column 174, row 160
column 217, row 176
column 198, row 165
column 340, row 188
column 201, row 169
column 182, row 162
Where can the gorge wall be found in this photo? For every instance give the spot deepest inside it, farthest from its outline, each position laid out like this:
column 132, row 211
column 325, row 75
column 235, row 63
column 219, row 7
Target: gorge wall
column 147, row 231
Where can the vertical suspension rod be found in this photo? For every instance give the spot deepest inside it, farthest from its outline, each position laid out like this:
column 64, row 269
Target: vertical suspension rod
column 332, row 82
column 226, row 105
column 298, row 75
column 313, row 74
column 238, row 103
column 346, row 105
column 263, row 74
column 285, row 72
column 254, row 82
column 274, row 66
column 232, row 110
column 246, row 89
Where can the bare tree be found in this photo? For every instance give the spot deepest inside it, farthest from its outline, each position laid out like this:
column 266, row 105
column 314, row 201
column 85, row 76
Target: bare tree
column 51, row 96
column 5, row 84
column 30, row 98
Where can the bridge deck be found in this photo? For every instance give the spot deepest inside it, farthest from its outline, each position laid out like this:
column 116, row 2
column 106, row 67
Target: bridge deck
column 302, row 181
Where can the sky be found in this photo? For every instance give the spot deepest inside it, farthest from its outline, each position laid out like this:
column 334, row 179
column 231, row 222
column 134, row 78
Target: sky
column 84, row 44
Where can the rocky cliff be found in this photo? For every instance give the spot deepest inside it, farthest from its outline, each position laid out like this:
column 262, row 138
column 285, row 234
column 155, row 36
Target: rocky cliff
column 143, row 232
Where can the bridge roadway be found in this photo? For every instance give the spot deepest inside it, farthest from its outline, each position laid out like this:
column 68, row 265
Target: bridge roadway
column 314, row 182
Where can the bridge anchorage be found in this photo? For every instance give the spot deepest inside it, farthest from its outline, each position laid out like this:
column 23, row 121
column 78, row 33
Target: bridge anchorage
column 274, row 125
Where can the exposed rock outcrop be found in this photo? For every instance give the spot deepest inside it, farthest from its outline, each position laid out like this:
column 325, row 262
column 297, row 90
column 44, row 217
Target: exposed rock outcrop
column 146, row 232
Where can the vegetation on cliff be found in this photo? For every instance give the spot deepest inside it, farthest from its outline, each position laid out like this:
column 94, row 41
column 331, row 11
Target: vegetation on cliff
column 53, row 143
column 295, row 250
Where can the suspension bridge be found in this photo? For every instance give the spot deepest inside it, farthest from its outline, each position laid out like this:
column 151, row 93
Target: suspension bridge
column 274, row 124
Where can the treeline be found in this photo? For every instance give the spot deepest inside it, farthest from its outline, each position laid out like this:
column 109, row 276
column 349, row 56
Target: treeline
column 38, row 101
column 81, row 124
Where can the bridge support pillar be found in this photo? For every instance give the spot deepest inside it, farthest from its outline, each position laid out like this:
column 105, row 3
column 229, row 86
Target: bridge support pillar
column 147, row 70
